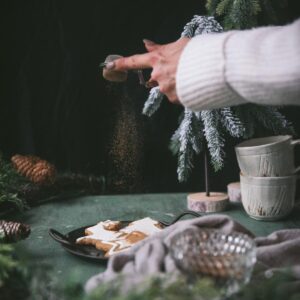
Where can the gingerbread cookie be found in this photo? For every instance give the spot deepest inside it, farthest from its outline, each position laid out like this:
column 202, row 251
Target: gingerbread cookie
column 112, row 225
column 109, row 237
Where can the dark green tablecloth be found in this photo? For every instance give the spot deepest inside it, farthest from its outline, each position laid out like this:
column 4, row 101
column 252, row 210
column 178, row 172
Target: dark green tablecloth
column 66, row 215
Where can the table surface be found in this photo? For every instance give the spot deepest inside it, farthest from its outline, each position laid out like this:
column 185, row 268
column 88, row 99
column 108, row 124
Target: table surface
column 66, row 215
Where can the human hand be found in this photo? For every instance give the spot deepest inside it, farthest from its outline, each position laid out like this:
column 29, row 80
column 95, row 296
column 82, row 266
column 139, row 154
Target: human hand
column 163, row 59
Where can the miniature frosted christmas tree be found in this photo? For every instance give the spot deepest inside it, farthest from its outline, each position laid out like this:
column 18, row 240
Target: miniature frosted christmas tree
column 206, row 130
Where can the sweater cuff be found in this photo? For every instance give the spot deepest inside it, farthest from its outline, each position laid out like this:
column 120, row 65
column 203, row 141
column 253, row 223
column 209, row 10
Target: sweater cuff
column 200, row 80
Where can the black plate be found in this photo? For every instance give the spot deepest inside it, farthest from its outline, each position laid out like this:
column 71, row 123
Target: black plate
column 68, row 241
column 84, row 251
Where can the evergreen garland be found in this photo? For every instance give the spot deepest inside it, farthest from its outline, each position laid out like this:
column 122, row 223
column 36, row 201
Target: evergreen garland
column 10, row 181
column 7, row 262
column 17, row 191
column 20, row 281
column 207, row 129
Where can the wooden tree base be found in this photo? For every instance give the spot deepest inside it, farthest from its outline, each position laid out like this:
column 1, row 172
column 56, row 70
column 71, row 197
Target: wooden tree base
column 214, row 203
column 234, row 192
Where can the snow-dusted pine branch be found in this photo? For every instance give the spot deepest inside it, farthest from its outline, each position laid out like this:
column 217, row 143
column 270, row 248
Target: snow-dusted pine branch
column 231, row 122
column 201, row 25
column 271, row 119
column 215, row 142
column 153, row 102
column 185, row 142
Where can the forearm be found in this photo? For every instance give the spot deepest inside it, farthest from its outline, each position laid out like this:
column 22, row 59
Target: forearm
column 260, row 66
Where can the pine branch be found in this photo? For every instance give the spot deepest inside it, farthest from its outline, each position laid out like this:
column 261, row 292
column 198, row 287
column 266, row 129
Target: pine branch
column 244, row 13
column 231, row 122
column 268, row 116
column 181, row 145
column 174, row 145
column 10, row 182
column 201, row 25
column 223, row 7
column 211, row 6
column 186, row 142
column 153, row 102
column 14, row 199
column 215, row 141
column 243, row 114
column 197, row 128
column 272, row 119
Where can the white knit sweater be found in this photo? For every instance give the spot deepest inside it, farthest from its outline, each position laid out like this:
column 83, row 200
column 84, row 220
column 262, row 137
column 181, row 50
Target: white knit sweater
column 259, row 65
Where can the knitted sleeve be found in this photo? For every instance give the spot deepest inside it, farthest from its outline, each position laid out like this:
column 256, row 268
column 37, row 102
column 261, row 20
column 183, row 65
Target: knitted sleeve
column 259, row 65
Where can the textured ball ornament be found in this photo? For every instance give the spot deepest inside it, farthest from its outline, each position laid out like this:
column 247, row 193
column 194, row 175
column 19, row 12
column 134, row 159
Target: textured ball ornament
column 111, row 75
column 34, row 168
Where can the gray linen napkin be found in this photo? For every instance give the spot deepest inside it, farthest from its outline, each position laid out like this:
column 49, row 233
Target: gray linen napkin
column 151, row 256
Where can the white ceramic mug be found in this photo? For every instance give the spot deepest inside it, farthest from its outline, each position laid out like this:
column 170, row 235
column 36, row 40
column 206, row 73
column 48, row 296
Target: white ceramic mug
column 268, row 198
column 267, row 157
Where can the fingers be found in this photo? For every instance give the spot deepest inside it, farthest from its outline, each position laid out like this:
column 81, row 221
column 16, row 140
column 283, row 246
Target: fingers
column 171, row 95
column 151, row 83
column 134, row 62
column 183, row 40
column 150, row 46
column 173, row 98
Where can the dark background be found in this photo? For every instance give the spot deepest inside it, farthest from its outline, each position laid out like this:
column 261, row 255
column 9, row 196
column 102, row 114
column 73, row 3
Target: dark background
column 55, row 103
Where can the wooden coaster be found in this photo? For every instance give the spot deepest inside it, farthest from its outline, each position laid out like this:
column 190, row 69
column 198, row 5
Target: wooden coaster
column 214, row 203
column 234, row 192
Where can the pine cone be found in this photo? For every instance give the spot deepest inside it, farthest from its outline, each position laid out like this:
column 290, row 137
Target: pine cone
column 34, row 168
column 13, row 231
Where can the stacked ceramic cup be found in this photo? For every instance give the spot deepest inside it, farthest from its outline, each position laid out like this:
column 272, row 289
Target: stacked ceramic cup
column 268, row 180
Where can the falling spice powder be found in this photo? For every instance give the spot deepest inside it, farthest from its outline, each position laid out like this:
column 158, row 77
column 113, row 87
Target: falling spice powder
column 126, row 146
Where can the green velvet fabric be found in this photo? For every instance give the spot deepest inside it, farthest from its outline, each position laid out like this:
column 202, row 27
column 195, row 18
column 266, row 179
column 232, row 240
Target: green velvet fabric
column 66, row 215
